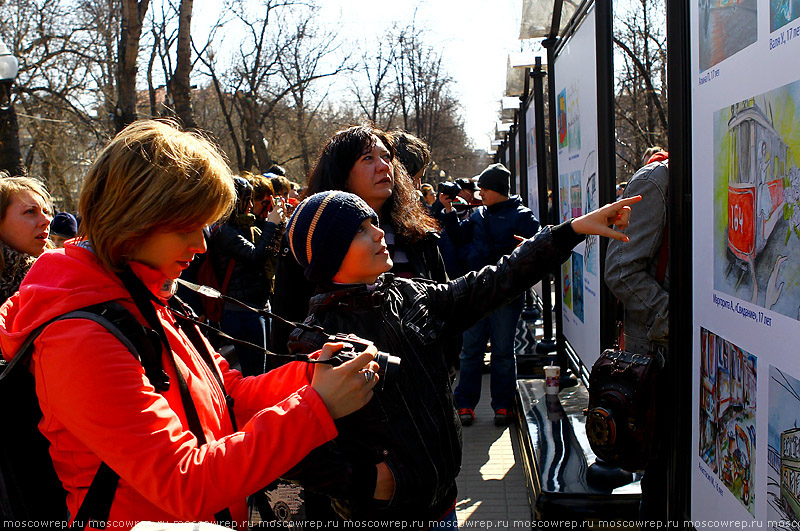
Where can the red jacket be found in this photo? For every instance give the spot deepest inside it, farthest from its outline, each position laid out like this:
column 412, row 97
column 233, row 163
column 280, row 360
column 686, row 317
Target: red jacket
column 98, row 405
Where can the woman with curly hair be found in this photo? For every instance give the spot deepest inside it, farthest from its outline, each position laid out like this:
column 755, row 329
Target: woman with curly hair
column 362, row 160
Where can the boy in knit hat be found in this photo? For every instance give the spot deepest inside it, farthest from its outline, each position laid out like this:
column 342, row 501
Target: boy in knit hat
column 397, row 458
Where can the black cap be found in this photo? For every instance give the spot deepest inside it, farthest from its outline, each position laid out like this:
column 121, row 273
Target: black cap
column 64, row 224
column 497, row 178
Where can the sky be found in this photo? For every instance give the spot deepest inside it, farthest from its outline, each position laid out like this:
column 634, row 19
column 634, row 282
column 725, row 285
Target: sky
column 474, row 37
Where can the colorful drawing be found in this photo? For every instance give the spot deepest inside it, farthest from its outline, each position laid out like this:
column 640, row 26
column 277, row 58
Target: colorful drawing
column 757, row 200
column 728, row 414
column 563, row 192
column 781, row 12
column 562, row 119
column 574, row 118
column 566, row 283
column 590, row 203
column 783, row 452
column 575, row 193
column 577, row 285
column 532, row 152
column 726, row 27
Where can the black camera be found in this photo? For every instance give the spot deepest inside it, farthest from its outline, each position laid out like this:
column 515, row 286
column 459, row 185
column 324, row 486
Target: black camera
column 309, row 340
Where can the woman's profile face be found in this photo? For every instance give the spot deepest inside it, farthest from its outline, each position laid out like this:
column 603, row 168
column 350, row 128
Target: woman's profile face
column 372, row 175
column 171, row 252
column 26, row 225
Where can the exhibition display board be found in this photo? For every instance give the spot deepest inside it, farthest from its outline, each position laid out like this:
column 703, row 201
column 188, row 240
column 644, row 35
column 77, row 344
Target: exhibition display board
column 746, row 269
column 577, row 193
column 532, row 192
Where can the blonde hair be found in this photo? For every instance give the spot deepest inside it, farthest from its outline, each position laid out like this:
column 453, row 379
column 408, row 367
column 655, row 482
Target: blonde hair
column 152, row 177
column 10, row 186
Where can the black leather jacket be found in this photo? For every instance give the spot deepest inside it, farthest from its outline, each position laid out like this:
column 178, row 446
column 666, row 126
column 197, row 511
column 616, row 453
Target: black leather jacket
column 412, row 423
column 249, row 281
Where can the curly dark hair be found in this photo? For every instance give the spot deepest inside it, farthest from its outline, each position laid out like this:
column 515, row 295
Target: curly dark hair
column 410, row 219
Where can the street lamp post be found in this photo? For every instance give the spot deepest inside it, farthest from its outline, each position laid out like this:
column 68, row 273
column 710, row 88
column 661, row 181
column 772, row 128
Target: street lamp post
column 10, row 153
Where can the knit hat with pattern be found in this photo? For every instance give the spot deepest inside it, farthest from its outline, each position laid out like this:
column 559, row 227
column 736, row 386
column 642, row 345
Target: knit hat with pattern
column 321, row 229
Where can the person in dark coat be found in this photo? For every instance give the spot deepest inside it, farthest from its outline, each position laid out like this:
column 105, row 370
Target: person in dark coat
column 396, row 460
column 493, row 230
column 239, row 250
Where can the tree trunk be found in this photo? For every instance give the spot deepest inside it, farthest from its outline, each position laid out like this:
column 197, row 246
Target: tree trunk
column 132, row 16
column 254, row 135
column 180, row 86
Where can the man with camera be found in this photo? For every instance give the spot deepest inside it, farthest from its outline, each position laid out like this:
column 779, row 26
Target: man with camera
column 493, row 230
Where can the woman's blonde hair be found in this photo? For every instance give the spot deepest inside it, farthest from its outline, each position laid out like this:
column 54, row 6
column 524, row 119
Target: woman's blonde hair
column 152, row 177
column 10, row 186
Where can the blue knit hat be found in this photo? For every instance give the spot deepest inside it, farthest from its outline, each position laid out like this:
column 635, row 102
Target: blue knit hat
column 321, row 229
column 64, row 224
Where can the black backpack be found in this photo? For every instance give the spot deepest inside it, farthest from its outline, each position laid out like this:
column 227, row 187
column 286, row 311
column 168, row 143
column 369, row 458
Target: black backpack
column 29, row 487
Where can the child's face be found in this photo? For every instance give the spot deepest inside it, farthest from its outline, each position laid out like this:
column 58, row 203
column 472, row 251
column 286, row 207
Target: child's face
column 366, row 258
column 171, row 252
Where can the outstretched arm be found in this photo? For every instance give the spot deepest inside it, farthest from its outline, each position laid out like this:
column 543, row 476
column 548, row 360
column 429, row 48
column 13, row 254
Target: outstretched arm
column 479, row 292
column 600, row 221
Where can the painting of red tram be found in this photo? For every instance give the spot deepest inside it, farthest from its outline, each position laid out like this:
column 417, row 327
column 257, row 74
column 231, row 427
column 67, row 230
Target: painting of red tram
column 759, row 166
column 755, row 183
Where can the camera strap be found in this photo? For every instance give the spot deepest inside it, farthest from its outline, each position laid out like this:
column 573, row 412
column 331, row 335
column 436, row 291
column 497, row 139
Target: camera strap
column 142, row 297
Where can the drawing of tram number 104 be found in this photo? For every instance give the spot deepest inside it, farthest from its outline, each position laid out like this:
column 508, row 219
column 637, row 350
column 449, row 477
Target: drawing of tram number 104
column 790, row 472
column 759, row 160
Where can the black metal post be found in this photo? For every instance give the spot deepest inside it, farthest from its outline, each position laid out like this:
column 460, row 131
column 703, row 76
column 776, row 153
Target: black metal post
column 679, row 374
column 512, row 157
column 547, row 344
column 606, row 152
column 10, row 153
column 561, row 348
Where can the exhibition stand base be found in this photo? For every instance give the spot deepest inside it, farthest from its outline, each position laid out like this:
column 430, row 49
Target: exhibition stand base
column 557, row 457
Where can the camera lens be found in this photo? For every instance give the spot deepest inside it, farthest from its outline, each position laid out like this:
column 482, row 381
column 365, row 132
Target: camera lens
column 389, row 367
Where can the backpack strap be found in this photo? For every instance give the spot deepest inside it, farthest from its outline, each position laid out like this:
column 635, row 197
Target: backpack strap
column 144, row 345
column 96, row 506
column 143, row 299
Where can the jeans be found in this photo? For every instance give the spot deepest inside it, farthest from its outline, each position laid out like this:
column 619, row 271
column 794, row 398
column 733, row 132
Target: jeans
column 500, row 326
column 251, row 327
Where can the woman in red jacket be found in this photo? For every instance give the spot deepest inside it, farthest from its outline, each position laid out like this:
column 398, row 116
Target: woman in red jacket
column 144, row 204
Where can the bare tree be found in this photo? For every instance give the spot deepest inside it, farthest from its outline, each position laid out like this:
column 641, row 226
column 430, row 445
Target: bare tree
column 179, row 84
column 133, row 13
column 374, row 98
column 640, row 36
column 300, row 67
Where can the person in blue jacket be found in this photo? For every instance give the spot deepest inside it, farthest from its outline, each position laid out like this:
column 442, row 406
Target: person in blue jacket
column 493, row 230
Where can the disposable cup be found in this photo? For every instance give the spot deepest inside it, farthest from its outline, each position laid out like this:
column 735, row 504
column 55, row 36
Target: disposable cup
column 551, row 376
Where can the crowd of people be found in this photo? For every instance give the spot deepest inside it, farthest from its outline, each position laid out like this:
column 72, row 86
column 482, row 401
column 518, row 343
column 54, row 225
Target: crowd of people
column 366, row 248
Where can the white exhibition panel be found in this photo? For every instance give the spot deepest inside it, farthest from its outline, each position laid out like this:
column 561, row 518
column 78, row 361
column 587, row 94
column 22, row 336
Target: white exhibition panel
column 533, row 172
column 576, row 123
column 746, row 261
column 533, row 168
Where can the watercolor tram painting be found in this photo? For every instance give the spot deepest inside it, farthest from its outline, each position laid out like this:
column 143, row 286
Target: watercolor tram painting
column 728, row 414
column 757, row 200
column 783, row 473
